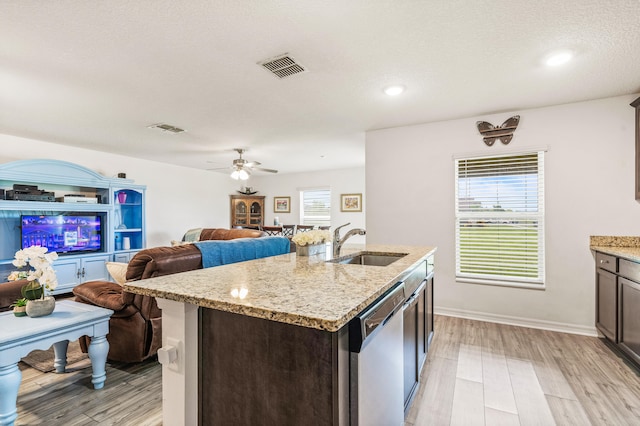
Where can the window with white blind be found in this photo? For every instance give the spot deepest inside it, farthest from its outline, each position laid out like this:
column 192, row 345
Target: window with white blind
column 316, row 207
column 500, row 219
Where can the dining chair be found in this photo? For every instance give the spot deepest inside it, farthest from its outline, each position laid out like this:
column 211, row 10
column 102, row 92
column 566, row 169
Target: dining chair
column 324, row 228
column 288, row 230
column 273, row 230
column 303, row 228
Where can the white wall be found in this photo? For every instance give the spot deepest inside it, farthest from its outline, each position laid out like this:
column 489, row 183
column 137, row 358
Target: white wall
column 178, row 198
column 342, row 181
column 589, row 191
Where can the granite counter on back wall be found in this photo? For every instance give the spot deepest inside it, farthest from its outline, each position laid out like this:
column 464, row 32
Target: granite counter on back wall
column 305, row 291
column 620, row 246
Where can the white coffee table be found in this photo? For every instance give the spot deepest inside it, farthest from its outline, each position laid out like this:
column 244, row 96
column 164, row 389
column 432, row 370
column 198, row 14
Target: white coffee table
column 21, row 335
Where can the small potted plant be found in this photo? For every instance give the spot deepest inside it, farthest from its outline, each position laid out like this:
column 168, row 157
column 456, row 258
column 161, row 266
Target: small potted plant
column 20, row 307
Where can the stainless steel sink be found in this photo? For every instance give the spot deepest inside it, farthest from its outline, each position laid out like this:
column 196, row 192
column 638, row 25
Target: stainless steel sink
column 369, row 258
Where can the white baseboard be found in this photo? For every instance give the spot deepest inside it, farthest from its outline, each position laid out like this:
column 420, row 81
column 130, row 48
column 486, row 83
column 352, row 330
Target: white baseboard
column 518, row 321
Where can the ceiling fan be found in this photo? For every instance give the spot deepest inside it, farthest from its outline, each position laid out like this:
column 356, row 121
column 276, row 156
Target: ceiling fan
column 241, row 168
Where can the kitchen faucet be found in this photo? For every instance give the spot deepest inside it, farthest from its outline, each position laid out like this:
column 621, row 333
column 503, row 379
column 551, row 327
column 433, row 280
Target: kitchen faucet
column 337, row 242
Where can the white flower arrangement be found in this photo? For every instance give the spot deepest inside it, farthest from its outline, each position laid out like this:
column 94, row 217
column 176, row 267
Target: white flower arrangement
column 311, row 237
column 41, row 263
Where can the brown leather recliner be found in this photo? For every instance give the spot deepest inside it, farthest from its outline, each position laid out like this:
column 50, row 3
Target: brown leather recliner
column 10, row 292
column 135, row 328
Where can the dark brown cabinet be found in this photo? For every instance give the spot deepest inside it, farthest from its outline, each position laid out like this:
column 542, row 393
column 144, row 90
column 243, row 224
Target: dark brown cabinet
column 629, row 318
column 418, row 326
column 247, row 211
column 410, row 350
column 618, row 303
column 607, row 304
column 636, row 105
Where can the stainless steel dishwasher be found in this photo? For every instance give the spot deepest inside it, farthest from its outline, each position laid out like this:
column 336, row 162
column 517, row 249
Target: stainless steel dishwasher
column 376, row 362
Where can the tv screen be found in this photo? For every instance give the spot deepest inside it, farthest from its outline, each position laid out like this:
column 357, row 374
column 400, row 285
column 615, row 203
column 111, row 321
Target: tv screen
column 63, row 233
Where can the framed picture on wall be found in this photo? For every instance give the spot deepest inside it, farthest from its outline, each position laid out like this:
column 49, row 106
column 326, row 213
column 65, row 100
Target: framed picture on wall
column 350, row 202
column 282, row 204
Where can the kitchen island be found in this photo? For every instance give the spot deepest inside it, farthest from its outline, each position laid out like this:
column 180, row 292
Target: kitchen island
column 259, row 337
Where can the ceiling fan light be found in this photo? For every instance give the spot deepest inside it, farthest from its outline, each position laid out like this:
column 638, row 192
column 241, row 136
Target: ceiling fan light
column 235, row 175
column 243, row 174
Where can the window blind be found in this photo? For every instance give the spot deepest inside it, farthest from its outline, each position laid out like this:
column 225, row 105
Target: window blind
column 500, row 219
column 316, row 207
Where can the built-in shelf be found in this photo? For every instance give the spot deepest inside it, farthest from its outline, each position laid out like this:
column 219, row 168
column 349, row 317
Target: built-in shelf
column 63, row 178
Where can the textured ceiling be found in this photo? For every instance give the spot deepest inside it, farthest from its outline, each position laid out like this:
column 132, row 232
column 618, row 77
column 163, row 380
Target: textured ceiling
column 95, row 74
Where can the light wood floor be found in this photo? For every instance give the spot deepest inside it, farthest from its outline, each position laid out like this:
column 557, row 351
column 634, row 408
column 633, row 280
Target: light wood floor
column 132, row 396
column 480, row 373
column 477, row 373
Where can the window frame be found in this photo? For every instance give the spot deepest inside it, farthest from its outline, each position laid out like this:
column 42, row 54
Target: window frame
column 493, row 220
column 303, row 219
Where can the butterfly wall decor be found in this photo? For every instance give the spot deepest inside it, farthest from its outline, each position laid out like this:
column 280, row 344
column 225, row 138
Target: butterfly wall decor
column 505, row 132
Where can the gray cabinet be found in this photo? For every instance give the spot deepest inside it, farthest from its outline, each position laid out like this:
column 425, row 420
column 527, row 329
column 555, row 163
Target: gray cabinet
column 607, row 296
column 629, row 308
column 618, row 303
column 607, row 304
column 629, row 318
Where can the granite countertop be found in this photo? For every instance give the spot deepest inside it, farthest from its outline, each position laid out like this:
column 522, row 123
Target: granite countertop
column 305, row 291
column 624, row 247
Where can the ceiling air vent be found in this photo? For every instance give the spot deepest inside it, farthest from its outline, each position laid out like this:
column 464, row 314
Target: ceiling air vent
column 282, row 66
column 167, row 128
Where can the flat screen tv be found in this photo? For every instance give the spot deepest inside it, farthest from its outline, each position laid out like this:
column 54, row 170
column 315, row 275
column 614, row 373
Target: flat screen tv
column 66, row 233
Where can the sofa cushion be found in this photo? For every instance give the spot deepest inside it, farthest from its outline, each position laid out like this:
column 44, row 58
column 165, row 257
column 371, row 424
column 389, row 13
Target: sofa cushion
column 229, row 234
column 118, row 271
column 102, row 293
column 159, row 261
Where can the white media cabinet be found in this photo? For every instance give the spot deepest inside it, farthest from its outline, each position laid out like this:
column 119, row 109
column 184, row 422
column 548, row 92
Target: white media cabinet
column 120, row 201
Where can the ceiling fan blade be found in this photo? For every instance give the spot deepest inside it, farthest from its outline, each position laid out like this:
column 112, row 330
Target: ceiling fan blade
column 221, row 168
column 265, row 170
column 252, row 163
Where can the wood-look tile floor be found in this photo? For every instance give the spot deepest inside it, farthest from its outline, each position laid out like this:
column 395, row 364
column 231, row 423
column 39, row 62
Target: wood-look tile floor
column 132, row 395
column 477, row 373
column 480, row 373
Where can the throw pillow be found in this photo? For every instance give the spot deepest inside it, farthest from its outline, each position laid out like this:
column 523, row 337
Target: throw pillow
column 180, row 243
column 118, row 271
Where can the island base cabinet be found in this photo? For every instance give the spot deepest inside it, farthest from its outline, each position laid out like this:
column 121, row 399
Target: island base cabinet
column 254, row 371
column 629, row 318
column 410, row 350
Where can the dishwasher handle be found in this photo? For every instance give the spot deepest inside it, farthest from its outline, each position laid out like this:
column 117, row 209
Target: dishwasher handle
column 374, row 317
column 414, row 297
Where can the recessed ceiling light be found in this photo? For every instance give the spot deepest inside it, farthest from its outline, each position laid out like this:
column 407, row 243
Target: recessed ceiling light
column 394, row 90
column 558, row 58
